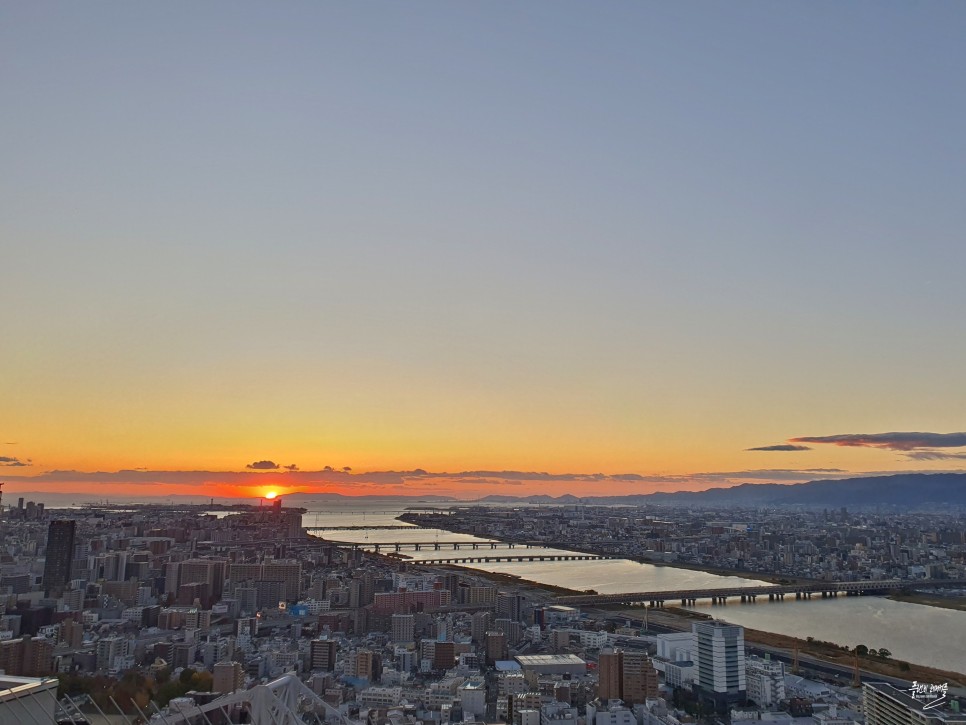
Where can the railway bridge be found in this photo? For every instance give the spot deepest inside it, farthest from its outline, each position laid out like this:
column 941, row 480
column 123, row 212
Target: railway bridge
column 774, row 592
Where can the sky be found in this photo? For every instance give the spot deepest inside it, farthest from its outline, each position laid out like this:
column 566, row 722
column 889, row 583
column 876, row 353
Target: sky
column 566, row 245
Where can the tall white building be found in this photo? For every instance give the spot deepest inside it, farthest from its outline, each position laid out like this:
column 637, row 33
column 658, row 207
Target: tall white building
column 719, row 657
column 766, row 681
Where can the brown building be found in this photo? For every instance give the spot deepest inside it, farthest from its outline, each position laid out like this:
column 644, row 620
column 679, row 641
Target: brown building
column 496, row 647
column 609, row 676
column 26, row 657
column 444, row 655
column 627, row 676
column 322, row 653
column 228, row 677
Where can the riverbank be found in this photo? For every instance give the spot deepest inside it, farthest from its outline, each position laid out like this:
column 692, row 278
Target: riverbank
column 722, row 571
column 836, row 654
column 510, row 580
column 584, row 548
column 827, row 652
column 871, row 613
column 934, row 600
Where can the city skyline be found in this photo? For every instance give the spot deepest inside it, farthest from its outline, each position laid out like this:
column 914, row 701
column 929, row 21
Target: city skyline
column 647, row 246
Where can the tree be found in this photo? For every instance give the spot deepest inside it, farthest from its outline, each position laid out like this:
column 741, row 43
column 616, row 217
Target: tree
column 202, row 681
column 861, row 650
column 883, row 652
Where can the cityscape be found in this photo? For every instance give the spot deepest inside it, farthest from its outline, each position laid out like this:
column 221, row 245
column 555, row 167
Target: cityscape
column 180, row 614
column 545, row 362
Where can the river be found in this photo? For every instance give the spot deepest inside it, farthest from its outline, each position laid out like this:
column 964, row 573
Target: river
column 913, row 632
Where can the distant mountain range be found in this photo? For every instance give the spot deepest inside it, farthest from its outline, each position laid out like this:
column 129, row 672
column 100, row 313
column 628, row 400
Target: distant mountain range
column 907, row 491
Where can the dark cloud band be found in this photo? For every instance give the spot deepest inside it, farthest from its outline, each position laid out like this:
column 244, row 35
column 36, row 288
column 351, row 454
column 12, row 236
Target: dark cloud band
column 780, row 447
column 890, row 441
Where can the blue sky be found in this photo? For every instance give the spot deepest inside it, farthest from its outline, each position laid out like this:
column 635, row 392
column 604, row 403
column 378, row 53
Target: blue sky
column 599, row 237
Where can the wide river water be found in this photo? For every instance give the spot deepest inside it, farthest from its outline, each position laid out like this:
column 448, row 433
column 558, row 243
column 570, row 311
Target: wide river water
column 912, row 632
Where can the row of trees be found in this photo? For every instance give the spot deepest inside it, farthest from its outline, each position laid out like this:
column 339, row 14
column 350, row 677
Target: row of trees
column 863, row 651
column 134, row 688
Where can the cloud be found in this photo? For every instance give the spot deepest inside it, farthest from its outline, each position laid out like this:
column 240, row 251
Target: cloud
column 935, row 456
column 291, row 467
column 263, row 466
column 13, row 462
column 889, row 441
column 780, row 447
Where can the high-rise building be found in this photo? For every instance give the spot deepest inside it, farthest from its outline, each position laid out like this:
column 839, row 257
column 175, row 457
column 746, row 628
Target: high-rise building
column 27, row 656
column 509, row 605
column 479, row 624
column 228, row 677
column 363, row 664
column 322, row 653
column 719, row 657
column 204, row 571
column 766, row 681
column 444, row 656
column 638, row 678
column 627, row 676
column 289, row 572
column 403, row 628
column 496, row 647
column 60, row 554
column 609, row 676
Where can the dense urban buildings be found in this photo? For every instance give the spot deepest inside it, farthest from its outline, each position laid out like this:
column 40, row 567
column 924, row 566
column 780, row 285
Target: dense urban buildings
column 186, row 606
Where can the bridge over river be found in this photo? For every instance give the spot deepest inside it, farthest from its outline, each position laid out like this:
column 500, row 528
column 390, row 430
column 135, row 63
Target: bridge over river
column 399, row 546
column 750, row 593
column 494, row 558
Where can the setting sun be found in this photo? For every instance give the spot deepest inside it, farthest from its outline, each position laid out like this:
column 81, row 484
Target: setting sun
column 271, row 494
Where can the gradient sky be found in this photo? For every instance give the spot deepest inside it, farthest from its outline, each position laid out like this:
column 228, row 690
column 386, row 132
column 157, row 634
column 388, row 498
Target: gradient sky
column 549, row 236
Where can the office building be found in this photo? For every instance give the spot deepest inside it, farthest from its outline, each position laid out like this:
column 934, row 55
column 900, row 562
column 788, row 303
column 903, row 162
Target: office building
column 496, row 647
column 60, row 554
column 719, row 657
column 627, row 676
column 210, row 572
column 228, row 677
column 403, row 628
column 322, row 653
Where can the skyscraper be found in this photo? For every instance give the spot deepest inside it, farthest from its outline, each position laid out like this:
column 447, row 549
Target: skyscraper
column 720, row 661
column 60, row 553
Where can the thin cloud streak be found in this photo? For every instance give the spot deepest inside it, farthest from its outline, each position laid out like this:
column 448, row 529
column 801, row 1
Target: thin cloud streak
column 780, row 447
column 895, row 441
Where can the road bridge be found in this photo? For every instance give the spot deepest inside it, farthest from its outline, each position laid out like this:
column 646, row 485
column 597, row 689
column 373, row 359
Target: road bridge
column 495, row 558
column 750, row 593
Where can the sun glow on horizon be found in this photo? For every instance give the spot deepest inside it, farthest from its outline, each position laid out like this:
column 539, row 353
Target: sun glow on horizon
column 271, row 494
